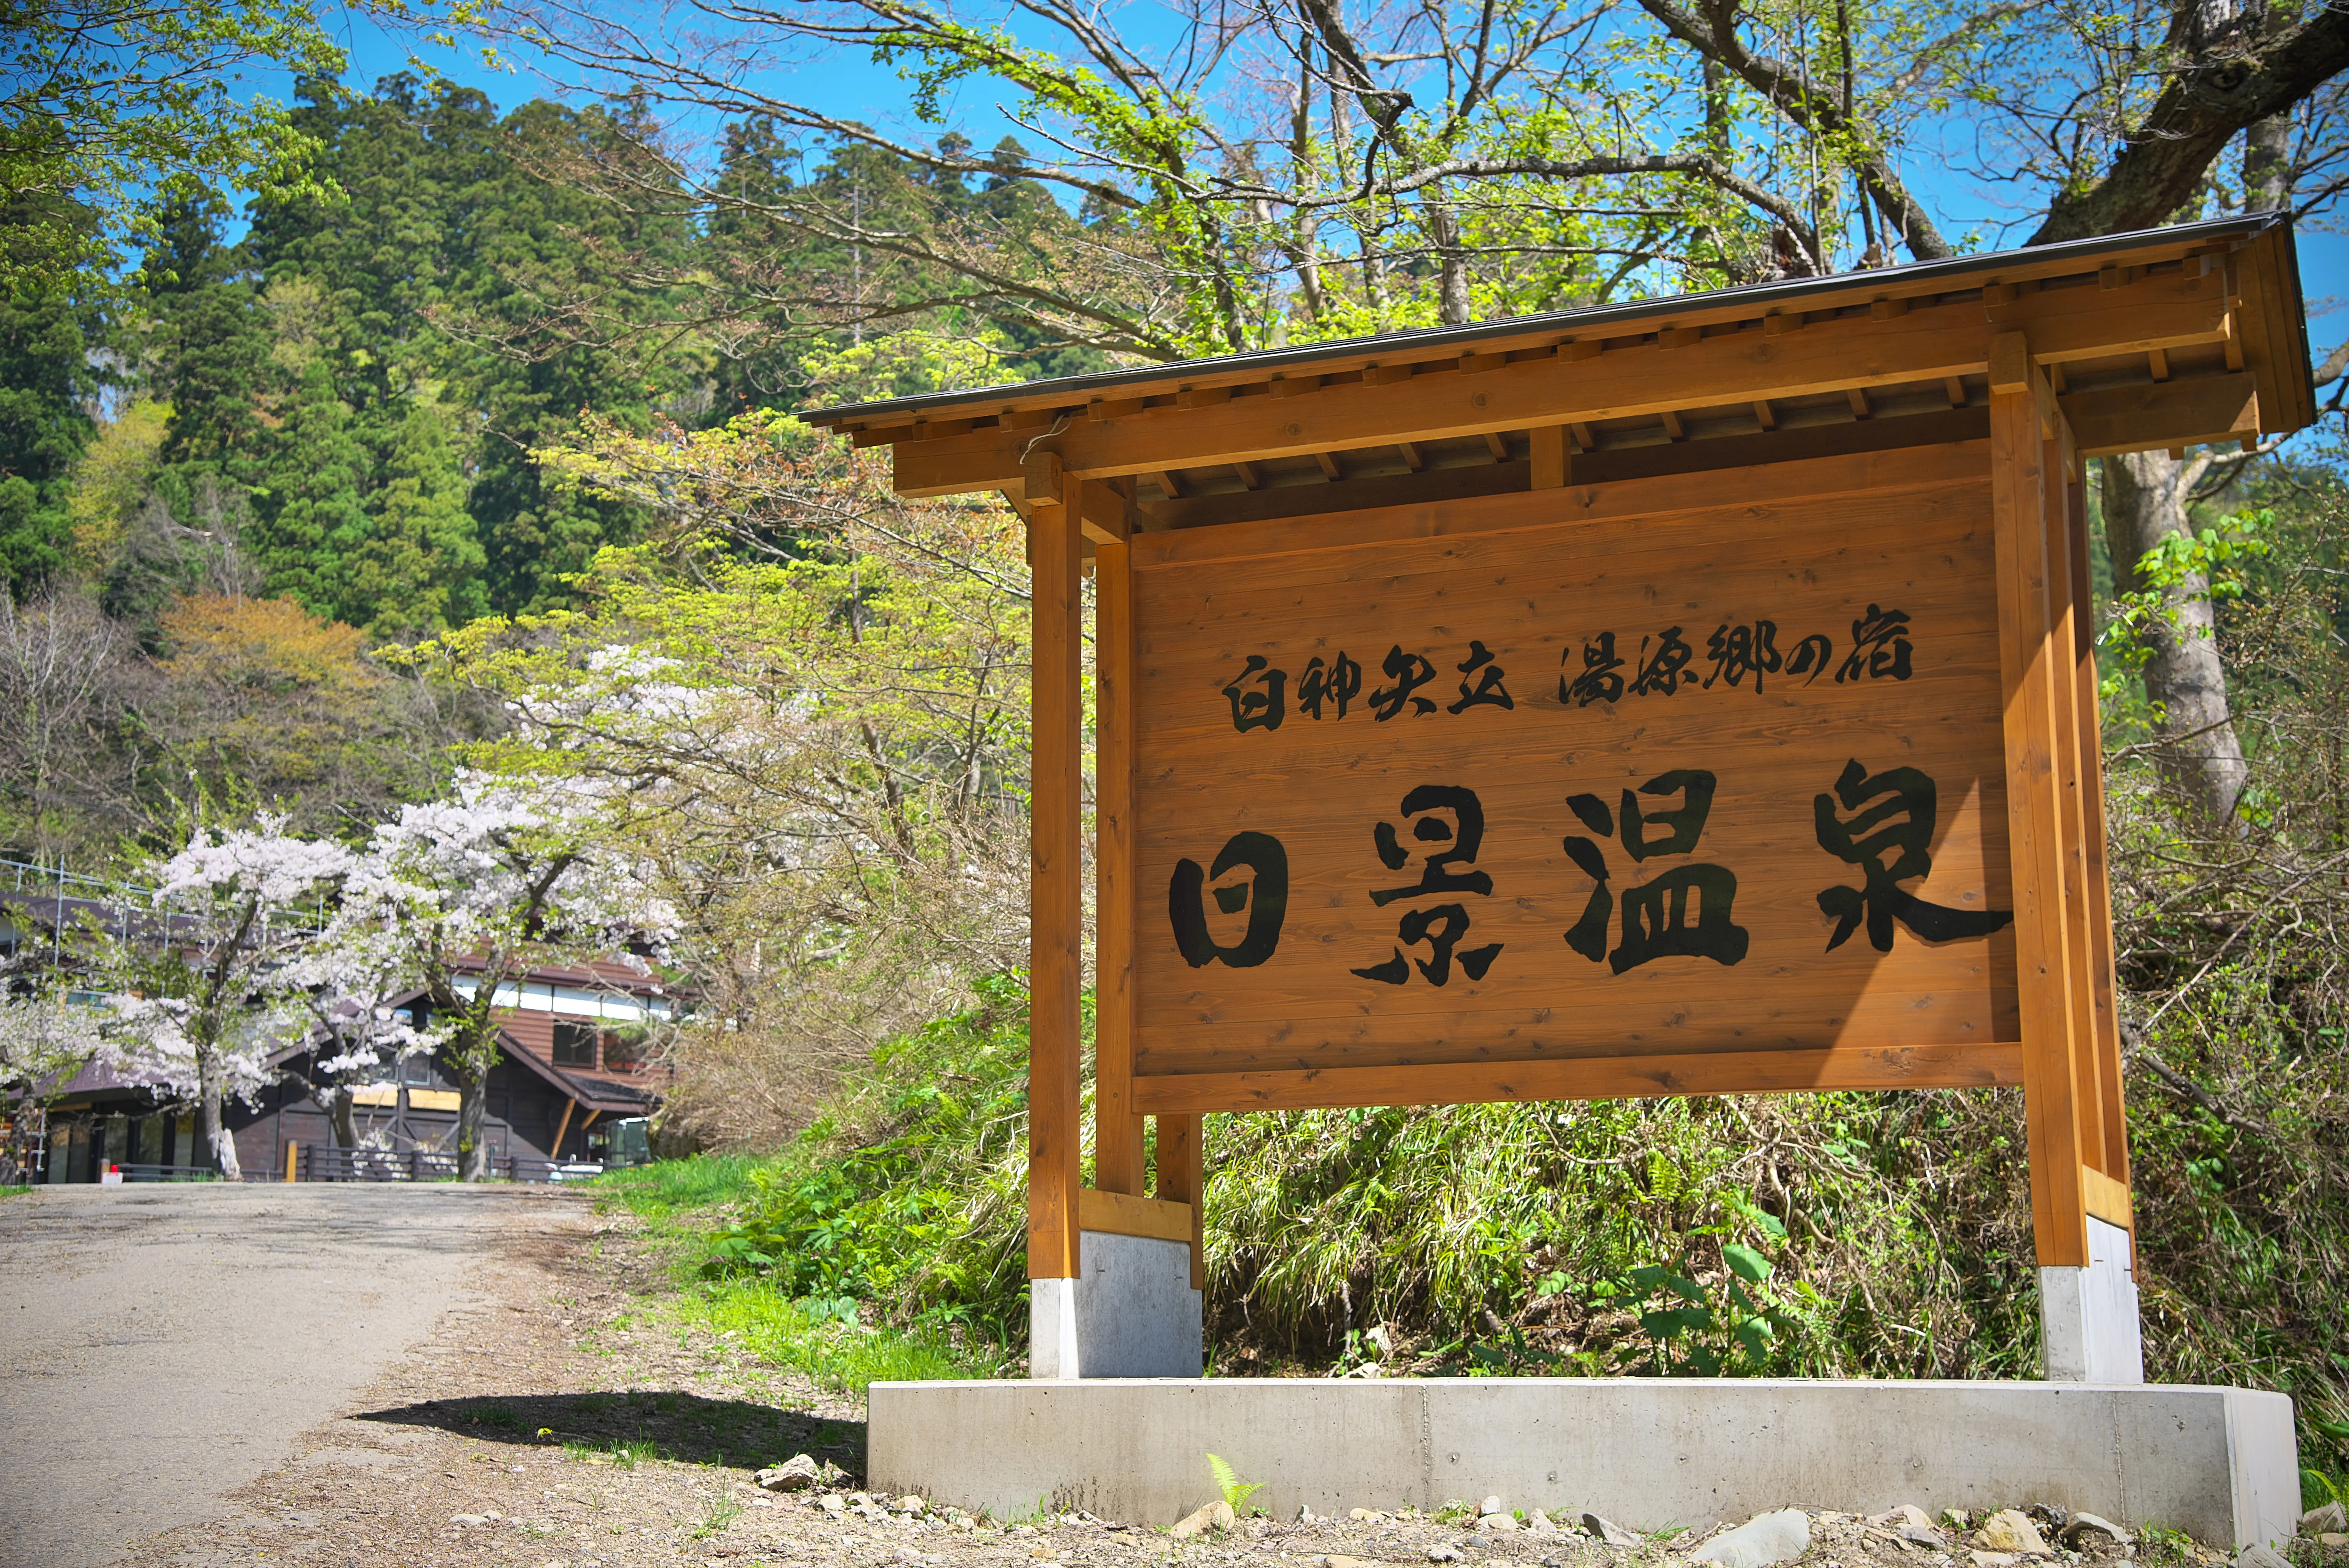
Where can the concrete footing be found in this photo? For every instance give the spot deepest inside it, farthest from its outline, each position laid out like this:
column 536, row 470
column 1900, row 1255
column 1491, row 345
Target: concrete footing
column 1133, row 1315
column 2218, row 1463
column 2088, row 1320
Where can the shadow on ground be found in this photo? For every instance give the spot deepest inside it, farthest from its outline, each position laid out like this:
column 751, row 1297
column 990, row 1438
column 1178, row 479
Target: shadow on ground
column 642, row 1424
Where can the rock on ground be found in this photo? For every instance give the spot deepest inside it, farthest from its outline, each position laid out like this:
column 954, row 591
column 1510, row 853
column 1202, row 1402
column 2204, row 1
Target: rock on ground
column 1779, row 1537
column 2010, row 1530
column 1607, row 1530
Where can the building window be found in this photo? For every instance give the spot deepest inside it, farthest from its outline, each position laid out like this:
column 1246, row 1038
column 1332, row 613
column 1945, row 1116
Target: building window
column 624, row 1049
column 574, row 1045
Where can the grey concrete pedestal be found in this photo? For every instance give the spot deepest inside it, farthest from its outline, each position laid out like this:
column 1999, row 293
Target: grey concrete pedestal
column 1648, row 1452
column 2088, row 1329
column 1132, row 1313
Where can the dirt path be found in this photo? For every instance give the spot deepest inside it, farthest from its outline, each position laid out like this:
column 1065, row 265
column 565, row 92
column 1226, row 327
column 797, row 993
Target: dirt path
column 165, row 1345
column 653, row 1432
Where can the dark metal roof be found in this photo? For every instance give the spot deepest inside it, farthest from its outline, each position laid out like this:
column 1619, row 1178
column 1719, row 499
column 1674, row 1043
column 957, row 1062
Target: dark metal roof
column 1074, row 388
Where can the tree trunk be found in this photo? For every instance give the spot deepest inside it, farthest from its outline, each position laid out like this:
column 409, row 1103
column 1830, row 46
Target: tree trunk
column 216, row 1134
column 2145, row 496
column 338, row 1103
column 1453, row 305
column 2267, row 164
column 473, row 1121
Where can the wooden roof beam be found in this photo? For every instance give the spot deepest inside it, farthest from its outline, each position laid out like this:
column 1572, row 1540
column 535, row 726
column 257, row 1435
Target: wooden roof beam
column 2252, row 262
column 1927, row 344
column 2208, row 409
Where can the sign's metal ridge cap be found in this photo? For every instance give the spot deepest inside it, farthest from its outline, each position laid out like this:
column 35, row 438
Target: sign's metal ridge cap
column 1068, row 387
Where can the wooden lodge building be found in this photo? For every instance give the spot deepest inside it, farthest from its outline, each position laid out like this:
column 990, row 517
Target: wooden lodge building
column 570, row 1057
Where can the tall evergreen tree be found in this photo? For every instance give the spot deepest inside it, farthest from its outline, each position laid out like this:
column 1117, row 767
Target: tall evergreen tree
column 46, row 388
column 420, row 572
column 208, row 350
column 314, row 518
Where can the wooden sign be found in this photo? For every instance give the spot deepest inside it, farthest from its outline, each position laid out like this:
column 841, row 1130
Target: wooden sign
column 1680, row 696
column 1416, row 814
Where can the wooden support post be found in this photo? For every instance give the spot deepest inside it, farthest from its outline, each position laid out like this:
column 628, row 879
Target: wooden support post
column 1117, row 1130
column 1056, row 896
column 2101, row 962
column 2062, row 616
column 1550, row 464
column 555, row 1149
column 1182, row 1179
column 2028, row 661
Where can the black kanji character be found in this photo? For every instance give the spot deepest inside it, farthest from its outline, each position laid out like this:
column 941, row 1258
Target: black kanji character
column 1438, row 872
column 1738, row 651
column 1409, row 672
column 1667, row 671
column 1258, row 710
column 1683, row 825
column 1903, row 825
column 1267, row 892
column 1811, row 656
column 1441, row 928
column 1656, row 922
column 1597, row 682
column 1339, row 683
column 1489, row 690
column 1880, row 646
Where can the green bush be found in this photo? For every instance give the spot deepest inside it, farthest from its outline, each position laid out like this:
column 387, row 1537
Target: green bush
column 909, row 1191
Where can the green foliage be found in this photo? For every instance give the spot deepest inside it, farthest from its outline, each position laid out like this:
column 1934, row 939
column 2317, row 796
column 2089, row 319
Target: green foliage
column 109, row 100
column 909, row 1193
column 825, row 1341
column 2209, row 555
column 1235, row 1492
column 1723, row 1330
column 46, row 389
column 669, row 1188
column 347, row 368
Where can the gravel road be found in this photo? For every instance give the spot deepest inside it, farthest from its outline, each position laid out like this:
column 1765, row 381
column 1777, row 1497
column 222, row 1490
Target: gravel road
column 163, row 1346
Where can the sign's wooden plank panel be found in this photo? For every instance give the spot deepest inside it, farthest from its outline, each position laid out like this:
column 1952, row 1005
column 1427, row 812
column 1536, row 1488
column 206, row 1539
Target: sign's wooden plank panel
column 1438, row 872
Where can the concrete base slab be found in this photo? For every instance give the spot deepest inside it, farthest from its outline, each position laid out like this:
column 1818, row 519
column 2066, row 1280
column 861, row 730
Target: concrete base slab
column 2218, row 1463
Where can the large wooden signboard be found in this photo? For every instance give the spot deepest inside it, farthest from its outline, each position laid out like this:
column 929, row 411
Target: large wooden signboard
column 1708, row 798
column 1684, row 696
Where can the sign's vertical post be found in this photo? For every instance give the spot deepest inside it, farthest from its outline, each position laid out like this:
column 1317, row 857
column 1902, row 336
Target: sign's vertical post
column 2088, row 1304
column 1056, row 912
column 2034, row 812
column 1182, row 1179
column 2108, row 1041
column 2064, row 615
column 1117, row 1130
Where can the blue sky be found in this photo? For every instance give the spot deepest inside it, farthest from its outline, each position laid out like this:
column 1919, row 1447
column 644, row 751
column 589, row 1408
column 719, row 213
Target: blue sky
column 850, row 84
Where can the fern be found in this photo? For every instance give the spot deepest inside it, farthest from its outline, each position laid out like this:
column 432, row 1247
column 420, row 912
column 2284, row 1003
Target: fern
column 1236, row 1492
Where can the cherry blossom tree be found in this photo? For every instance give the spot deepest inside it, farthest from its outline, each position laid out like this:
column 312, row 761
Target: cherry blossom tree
column 474, row 892
column 45, row 1038
column 232, row 910
column 345, row 994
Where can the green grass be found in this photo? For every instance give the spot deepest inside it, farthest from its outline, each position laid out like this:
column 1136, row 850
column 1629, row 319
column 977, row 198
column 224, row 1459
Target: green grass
column 819, row 1339
column 683, row 1189
column 686, row 1202
column 718, row 1515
